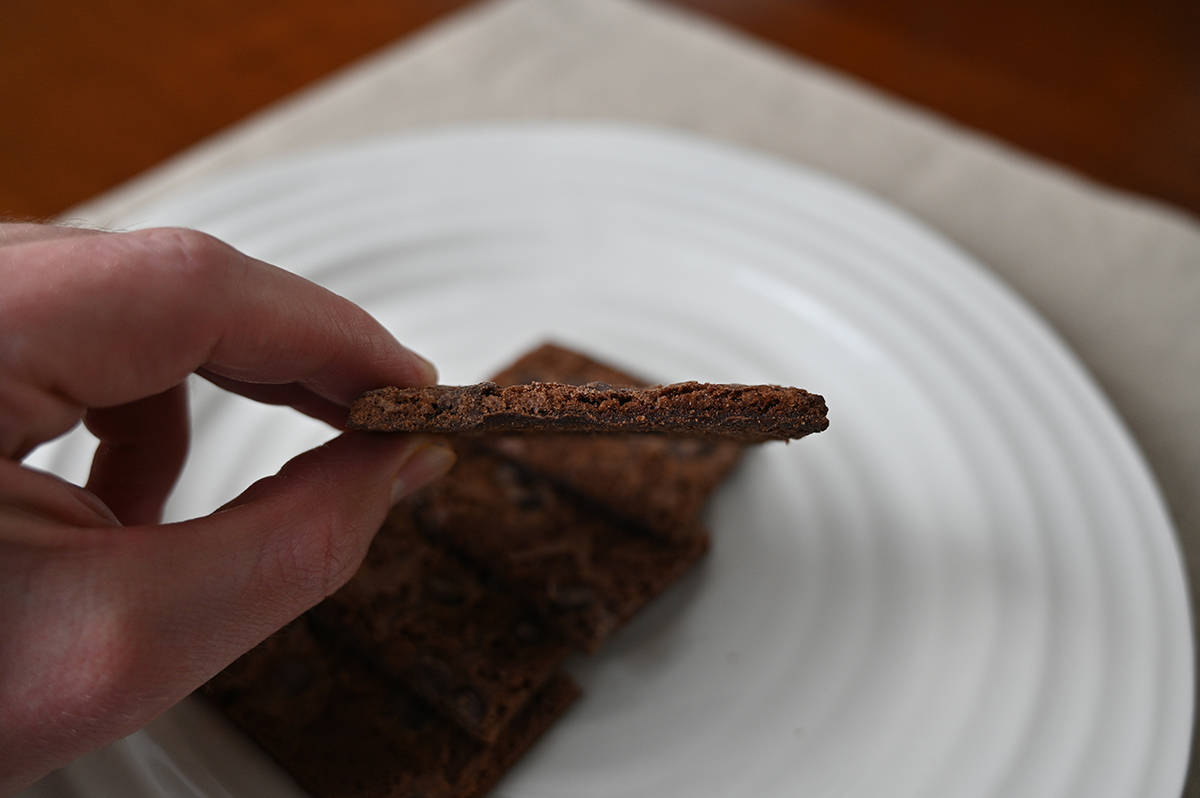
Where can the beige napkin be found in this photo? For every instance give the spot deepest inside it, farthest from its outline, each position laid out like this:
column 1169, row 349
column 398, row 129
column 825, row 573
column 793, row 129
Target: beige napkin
column 1117, row 276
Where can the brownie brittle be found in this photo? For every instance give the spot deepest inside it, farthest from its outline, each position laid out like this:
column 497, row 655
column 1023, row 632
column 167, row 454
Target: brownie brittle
column 345, row 731
column 746, row 413
column 586, row 574
column 468, row 648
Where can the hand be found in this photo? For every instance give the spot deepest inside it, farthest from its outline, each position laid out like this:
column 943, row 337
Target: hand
column 107, row 618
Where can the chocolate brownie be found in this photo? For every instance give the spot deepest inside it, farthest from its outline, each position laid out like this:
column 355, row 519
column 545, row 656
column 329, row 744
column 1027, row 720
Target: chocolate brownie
column 344, row 731
column 551, row 362
column 583, row 572
column 659, row 482
column 466, row 647
column 748, row 413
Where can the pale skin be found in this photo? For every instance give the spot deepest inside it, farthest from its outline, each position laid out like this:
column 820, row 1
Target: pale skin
column 107, row 616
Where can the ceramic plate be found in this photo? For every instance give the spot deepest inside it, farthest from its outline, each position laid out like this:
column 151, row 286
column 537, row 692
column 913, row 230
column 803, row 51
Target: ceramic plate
column 967, row 586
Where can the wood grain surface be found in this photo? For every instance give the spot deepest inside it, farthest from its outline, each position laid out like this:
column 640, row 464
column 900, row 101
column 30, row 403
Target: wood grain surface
column 93, row 93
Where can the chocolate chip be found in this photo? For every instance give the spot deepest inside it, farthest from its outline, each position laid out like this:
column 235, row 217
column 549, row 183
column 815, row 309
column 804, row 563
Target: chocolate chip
column 571, row 596
column 517, row 487
column 469, row 705
column 511, row 446
column 410, row 714
column 527, row 632
column 433, row 674
column 444, row 590
column 691, row 447
column 530, row 500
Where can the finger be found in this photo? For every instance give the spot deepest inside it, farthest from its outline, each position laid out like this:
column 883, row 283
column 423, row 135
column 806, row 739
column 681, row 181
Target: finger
column 220, row 584
column 290, row 394
column 30, row 492
column 117, row 624
column 12, row 233
column 142, row 448
column 161, row 304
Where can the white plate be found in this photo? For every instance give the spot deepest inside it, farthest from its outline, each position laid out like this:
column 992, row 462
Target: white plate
column 968, row 586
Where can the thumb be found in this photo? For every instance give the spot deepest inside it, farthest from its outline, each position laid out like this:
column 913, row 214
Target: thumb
column 115, row 624
column 224, row 582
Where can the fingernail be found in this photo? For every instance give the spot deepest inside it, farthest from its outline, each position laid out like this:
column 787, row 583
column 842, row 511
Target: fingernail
column 427, row 462
column 429, row 372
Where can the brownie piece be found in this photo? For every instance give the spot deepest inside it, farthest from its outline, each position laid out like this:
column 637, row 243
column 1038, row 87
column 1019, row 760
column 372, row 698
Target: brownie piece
column 551, row 362
column 468, row 648
column 748, row 413
column 344, row 731
column 658, row 482
column 584, row 573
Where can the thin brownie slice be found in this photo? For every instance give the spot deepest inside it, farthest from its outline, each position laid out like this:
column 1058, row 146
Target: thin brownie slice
column 344, row 731
column 748, row 413
column 585, row 573
column 418, row 614
column 658, row 482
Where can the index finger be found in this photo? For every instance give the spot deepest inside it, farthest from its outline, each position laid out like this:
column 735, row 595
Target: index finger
column 100, row 320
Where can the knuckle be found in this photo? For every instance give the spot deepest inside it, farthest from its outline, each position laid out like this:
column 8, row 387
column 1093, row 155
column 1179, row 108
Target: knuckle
column 323, row 552
column 110, row 668
column 183, row 267
column 320, row 559
column 184, row 249
column 343, row 543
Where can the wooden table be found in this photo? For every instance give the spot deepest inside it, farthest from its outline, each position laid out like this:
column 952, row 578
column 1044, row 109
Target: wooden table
column 94, row 93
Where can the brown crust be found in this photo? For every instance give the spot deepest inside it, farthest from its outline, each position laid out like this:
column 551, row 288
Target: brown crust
column 466, row 647
column 344, row 731
column 748, row 413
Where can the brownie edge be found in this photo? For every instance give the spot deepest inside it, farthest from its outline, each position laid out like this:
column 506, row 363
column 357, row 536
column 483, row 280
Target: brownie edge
column 748, row 413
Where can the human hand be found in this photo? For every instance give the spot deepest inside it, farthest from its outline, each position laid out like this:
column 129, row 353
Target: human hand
column 107, row 618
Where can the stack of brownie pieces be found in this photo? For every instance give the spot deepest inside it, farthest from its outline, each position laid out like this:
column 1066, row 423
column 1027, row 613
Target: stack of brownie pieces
column 440, row 662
